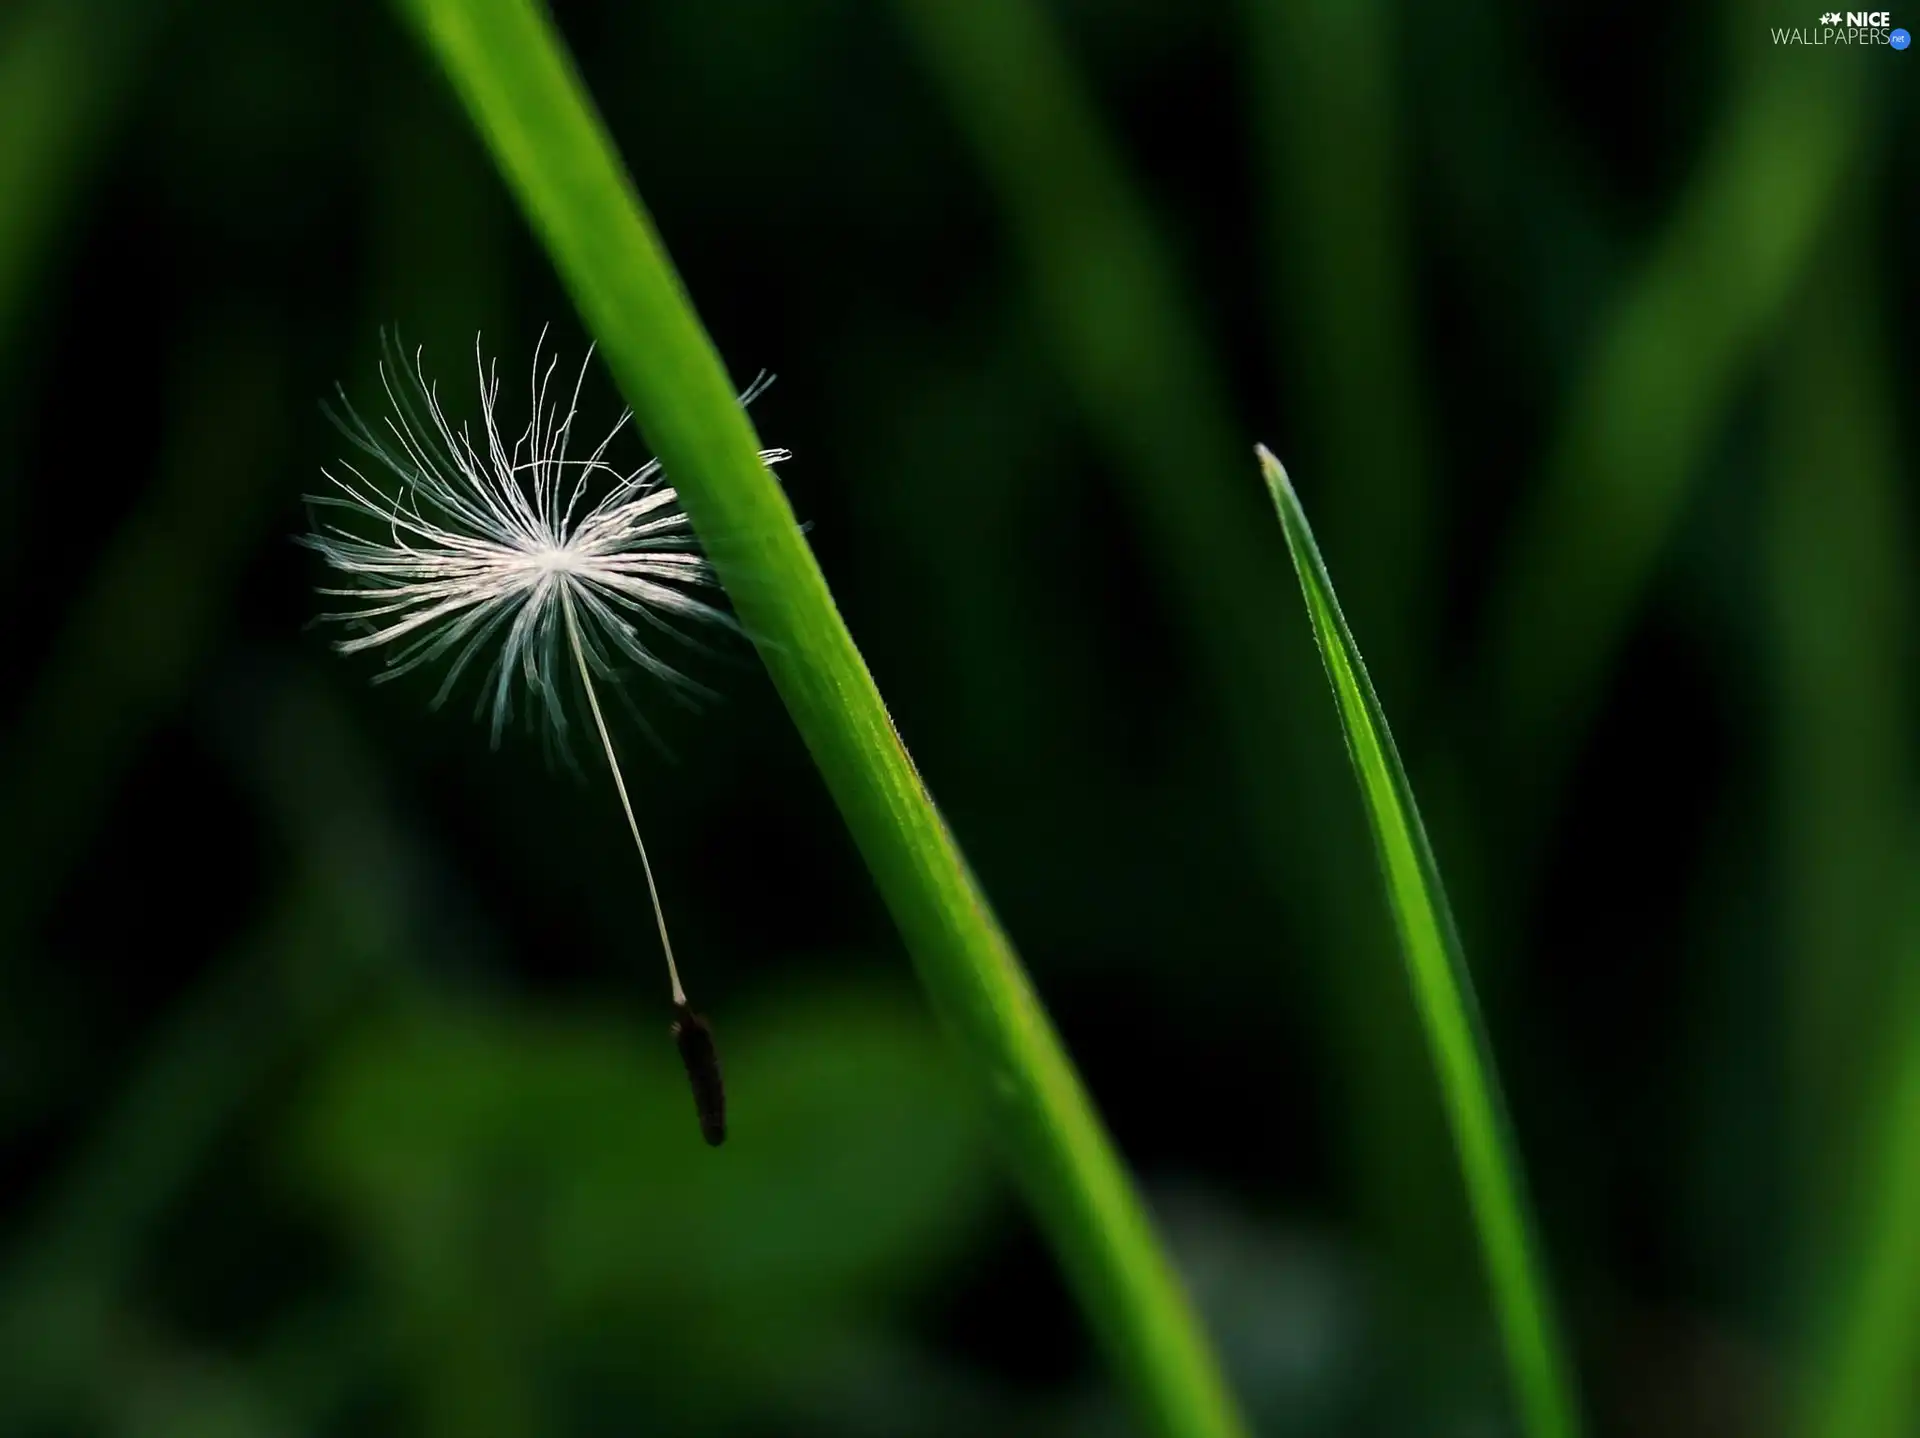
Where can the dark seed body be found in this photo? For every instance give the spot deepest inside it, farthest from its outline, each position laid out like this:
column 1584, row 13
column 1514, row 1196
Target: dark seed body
column 695, row 1039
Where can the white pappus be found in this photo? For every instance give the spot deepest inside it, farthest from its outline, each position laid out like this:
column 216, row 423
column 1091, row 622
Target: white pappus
column 453, row 549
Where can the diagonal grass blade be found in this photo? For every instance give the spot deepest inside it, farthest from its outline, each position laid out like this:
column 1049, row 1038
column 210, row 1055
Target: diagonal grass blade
column 1444, row 995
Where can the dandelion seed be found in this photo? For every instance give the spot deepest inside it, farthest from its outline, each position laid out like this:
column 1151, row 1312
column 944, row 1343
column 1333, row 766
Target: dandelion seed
column 453, row 549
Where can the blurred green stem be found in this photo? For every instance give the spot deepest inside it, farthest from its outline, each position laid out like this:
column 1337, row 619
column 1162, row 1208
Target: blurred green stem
column 142, row 621
column 521, row 91
column 438, row 224
column 1842, row 635
column 1862, row 1379
column 64, row 67
column 1841, row 629
column 1662, row 374
column 1339, row 245
column 336, row 922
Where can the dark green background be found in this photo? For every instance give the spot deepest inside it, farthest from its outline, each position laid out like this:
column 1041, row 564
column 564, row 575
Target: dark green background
column 334, row 1079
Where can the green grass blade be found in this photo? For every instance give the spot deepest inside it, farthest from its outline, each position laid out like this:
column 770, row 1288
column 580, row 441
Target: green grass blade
column 521, row 90
column 1108, row 291
column 1444, row 996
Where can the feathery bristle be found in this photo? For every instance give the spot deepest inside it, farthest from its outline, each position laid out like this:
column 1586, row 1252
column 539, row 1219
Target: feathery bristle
column 461, row 544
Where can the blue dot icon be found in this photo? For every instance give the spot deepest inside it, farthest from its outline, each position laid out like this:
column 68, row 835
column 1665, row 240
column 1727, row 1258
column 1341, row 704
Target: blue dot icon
column 1899, row 39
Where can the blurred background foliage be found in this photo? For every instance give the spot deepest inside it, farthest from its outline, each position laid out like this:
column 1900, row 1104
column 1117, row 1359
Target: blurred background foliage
column 334, row 1077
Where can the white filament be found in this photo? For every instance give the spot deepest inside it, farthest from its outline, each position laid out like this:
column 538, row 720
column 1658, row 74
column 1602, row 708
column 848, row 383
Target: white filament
column 626, row 804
